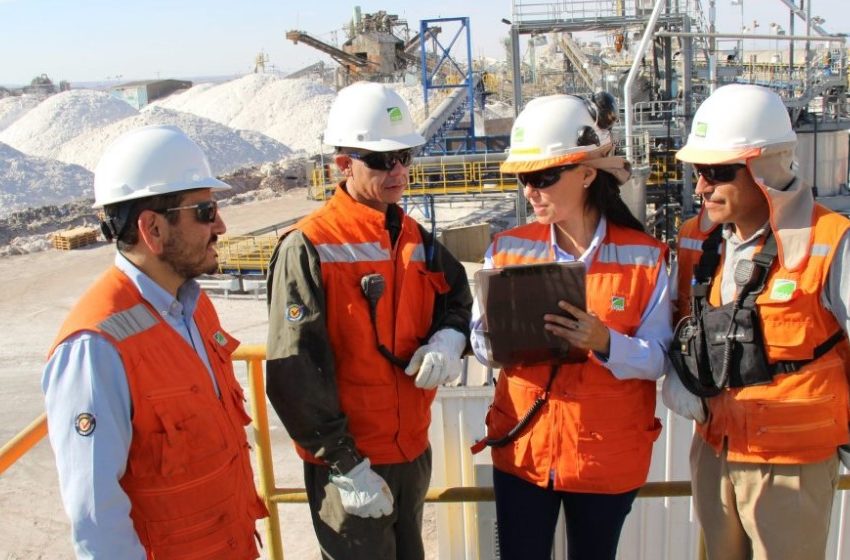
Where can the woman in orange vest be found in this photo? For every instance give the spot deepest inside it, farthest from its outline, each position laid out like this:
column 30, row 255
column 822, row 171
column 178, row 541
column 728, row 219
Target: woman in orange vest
column 581, row 433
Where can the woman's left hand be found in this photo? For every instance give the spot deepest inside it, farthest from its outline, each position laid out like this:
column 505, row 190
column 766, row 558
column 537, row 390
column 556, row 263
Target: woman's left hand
column 585, row 331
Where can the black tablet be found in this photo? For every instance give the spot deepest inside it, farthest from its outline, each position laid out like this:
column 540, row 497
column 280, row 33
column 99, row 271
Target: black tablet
column 513, row 301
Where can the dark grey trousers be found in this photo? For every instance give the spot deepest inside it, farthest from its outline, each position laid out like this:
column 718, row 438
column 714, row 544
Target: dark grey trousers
column 397, row 536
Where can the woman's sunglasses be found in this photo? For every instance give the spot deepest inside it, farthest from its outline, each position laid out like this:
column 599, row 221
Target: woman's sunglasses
column 205, row 212
column 545, row 177
column 383, row 161
column 715, row 174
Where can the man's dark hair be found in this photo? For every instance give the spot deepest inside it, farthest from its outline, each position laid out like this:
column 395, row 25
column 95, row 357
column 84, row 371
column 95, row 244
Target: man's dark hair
column 604, row 195
column 125, row 215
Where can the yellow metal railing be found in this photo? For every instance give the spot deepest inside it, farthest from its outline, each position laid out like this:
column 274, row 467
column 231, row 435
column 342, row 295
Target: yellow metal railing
column 469, row 177
column 273, row 496
column 440, row 178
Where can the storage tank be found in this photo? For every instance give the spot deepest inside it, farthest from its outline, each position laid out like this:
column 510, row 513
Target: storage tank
column 826, row 166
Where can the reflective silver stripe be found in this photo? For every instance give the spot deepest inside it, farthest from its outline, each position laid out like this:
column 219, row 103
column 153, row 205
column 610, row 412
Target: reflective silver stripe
column 418, row 253
column 690, row 243
column 820, row 250
column 352, row 252
column 126, row 323
column 635, row 255
column 517, row 246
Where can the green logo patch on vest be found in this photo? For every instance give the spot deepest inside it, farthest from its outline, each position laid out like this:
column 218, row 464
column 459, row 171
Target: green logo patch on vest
column 782, row 290
column 220, row 338
column 700, row 129
column 618, row 303
column 395, row 114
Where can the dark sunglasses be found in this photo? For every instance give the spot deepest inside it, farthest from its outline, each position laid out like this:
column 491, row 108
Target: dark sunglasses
column 715, row 174
column 383, row 161
column 205, row 212
column 545, row 177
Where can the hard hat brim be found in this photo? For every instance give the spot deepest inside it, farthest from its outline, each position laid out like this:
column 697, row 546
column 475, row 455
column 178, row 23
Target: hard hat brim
column 691, row 154
column 521, row 163
column 208, row 183
column 405, row 142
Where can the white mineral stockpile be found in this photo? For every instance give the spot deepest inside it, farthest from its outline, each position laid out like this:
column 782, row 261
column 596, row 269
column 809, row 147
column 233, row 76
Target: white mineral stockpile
column 61, row 117
column 14, row 107
column 291, row 111
column 226, row 149
column 28, row 181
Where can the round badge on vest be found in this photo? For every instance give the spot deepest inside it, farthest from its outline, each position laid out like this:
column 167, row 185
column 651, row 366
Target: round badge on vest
column 85, row 423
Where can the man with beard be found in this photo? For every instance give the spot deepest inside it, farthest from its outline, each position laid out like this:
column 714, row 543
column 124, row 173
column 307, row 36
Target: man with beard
column 144, row 413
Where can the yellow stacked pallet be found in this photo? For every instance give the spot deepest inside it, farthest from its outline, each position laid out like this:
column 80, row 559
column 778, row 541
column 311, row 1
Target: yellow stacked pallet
column 245, row 254
column 75, row 238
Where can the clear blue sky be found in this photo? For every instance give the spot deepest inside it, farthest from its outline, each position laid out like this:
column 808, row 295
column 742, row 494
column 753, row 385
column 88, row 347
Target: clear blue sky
column 92, row 40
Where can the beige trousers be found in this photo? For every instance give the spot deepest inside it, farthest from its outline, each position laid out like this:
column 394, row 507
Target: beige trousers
column 762, row 511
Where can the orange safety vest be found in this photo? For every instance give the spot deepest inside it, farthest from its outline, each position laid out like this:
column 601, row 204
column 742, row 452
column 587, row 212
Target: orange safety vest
column 799, row 417
column 388, row 416
column 188, row 472
column 595, row 433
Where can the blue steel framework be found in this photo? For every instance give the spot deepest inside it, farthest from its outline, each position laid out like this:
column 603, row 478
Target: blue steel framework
column 437, row 145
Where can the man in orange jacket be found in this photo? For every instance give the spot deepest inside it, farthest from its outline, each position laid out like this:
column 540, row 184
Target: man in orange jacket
column 144, row 413
column 763, row 357
column 367, row 313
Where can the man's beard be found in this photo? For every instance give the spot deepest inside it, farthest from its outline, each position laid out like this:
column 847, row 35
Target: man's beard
column 187, row 261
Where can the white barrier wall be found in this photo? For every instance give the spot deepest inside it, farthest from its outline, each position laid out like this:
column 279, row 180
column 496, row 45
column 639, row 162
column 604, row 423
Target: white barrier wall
column 657, row 528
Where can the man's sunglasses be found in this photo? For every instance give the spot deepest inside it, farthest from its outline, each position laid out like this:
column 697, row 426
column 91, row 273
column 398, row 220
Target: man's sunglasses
column 545, row 177
column 715, row 174
column 205, row 212
column 383, row 161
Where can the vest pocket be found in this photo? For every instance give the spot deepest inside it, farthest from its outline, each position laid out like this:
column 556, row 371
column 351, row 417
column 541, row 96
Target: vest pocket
column 188, row 432
column 500, row 422
column 793, row 424
column 211, row 534
column 605, row 455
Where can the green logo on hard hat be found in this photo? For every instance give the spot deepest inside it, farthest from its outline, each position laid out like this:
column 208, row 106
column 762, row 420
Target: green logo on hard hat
column 700, row 129
column 519, row 135
column 395, row 114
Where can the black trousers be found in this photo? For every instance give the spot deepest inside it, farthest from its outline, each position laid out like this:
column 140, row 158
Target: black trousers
column 527, row 515
column 397, row 536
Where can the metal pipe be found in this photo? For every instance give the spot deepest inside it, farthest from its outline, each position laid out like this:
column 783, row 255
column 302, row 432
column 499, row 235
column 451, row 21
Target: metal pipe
column 627, row 87
column 830, row 39
column 517, row 72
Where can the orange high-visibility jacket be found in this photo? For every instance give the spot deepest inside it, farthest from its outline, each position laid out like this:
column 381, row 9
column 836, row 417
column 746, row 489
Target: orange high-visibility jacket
column 799, row 417
column 388, row 416
column 595, row 433
column 188, row 473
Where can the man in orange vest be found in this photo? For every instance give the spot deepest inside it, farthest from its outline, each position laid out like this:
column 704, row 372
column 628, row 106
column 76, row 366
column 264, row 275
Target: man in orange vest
column 367, row 316
column 762, row 357
column 145, row 416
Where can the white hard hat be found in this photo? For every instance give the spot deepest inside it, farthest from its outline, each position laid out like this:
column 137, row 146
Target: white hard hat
column 736, row 123
column 373, row 117
column 149, row 161
column 557, row 130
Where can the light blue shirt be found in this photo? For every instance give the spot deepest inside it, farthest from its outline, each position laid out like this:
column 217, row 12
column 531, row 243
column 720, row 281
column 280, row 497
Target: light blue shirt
column 85, row 374
column 642, row 356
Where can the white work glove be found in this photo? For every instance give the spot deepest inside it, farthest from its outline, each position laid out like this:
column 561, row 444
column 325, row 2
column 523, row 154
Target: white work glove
column 363, row 492
column 680, row 400
column 433, row 361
